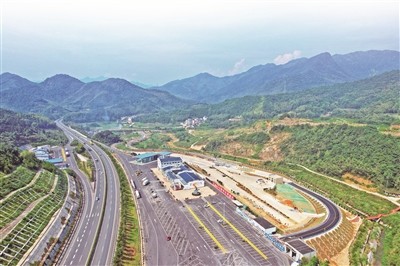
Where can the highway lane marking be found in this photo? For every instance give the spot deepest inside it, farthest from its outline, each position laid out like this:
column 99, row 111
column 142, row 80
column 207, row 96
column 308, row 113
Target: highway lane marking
column 206, row 229
column 237, row 231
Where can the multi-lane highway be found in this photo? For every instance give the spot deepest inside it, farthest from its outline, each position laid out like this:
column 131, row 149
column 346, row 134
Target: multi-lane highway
column 92, row 236
column 333, row 219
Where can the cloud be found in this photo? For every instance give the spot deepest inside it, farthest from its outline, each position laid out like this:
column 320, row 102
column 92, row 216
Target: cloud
column 238, row 67
column 285, row 58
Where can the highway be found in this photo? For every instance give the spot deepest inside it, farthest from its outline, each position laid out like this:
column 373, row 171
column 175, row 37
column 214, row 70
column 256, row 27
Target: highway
column 333, row 219
column 106, row 192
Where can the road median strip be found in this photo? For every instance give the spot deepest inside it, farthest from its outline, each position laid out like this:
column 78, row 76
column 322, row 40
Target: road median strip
column 206, row 229
column 238, row 232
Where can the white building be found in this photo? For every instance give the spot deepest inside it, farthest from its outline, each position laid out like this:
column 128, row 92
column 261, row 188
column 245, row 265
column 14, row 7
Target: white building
column 265, row 226
column 180, row 176
column 169, row 161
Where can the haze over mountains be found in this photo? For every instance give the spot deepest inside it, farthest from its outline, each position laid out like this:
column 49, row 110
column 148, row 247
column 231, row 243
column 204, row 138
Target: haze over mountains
column 63, row 95
column 297, row 75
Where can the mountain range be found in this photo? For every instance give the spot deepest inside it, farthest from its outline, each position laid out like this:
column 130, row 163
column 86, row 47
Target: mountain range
column 68, row 97
column 374, row 100
column 63, row 95
column 296, row 75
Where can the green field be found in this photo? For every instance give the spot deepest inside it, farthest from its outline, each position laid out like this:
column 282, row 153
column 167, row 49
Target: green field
column 350, row 198
column 156, row 141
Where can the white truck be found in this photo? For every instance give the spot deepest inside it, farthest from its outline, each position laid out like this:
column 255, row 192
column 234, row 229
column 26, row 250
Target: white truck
column 133, row 184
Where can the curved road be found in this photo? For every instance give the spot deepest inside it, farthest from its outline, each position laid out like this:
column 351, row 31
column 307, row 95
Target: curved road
column 333, row 219
column 106, row 192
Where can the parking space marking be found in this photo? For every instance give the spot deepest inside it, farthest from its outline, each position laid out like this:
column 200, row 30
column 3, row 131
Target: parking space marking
column 238, row 232
column 206, row 229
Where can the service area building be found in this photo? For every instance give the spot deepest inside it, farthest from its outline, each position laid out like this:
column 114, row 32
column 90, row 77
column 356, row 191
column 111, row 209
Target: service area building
column 169, row 161
column 150, row 156
column 180, row 176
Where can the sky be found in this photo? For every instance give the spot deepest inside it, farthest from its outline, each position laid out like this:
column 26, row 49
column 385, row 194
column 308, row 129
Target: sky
column 154, row 42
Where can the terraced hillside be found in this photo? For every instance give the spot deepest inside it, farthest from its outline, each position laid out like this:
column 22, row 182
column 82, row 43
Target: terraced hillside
column 32, row 207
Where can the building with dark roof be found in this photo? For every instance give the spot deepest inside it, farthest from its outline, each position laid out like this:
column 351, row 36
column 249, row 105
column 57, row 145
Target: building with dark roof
column 169, row 161
column 180, row 176
column 148, row 157
column 264, row 225
column 298, row 249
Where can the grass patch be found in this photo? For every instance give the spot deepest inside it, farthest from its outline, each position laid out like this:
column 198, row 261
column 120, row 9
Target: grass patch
column 86, row 167
column 350, row 198
column 156, row 141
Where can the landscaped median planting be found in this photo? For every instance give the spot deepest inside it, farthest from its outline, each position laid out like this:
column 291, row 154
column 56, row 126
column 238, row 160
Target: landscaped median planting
column 128, row 251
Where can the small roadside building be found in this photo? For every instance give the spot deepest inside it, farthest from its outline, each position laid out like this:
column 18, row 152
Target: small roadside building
column 149, row 157
column 276, row 179
column 298, row 249
column 42, row 152
column 264, row 226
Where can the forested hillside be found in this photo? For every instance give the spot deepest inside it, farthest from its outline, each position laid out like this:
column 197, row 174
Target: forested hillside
column 296, row 75
column 339, row 149
column 373, row 100
column 20, row 129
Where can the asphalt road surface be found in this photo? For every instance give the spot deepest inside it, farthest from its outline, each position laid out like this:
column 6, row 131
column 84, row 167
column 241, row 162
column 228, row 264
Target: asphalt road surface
column 333, row 219
column 83, row 240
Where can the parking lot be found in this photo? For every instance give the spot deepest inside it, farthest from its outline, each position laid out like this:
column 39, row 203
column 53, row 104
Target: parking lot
column 196, row 232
